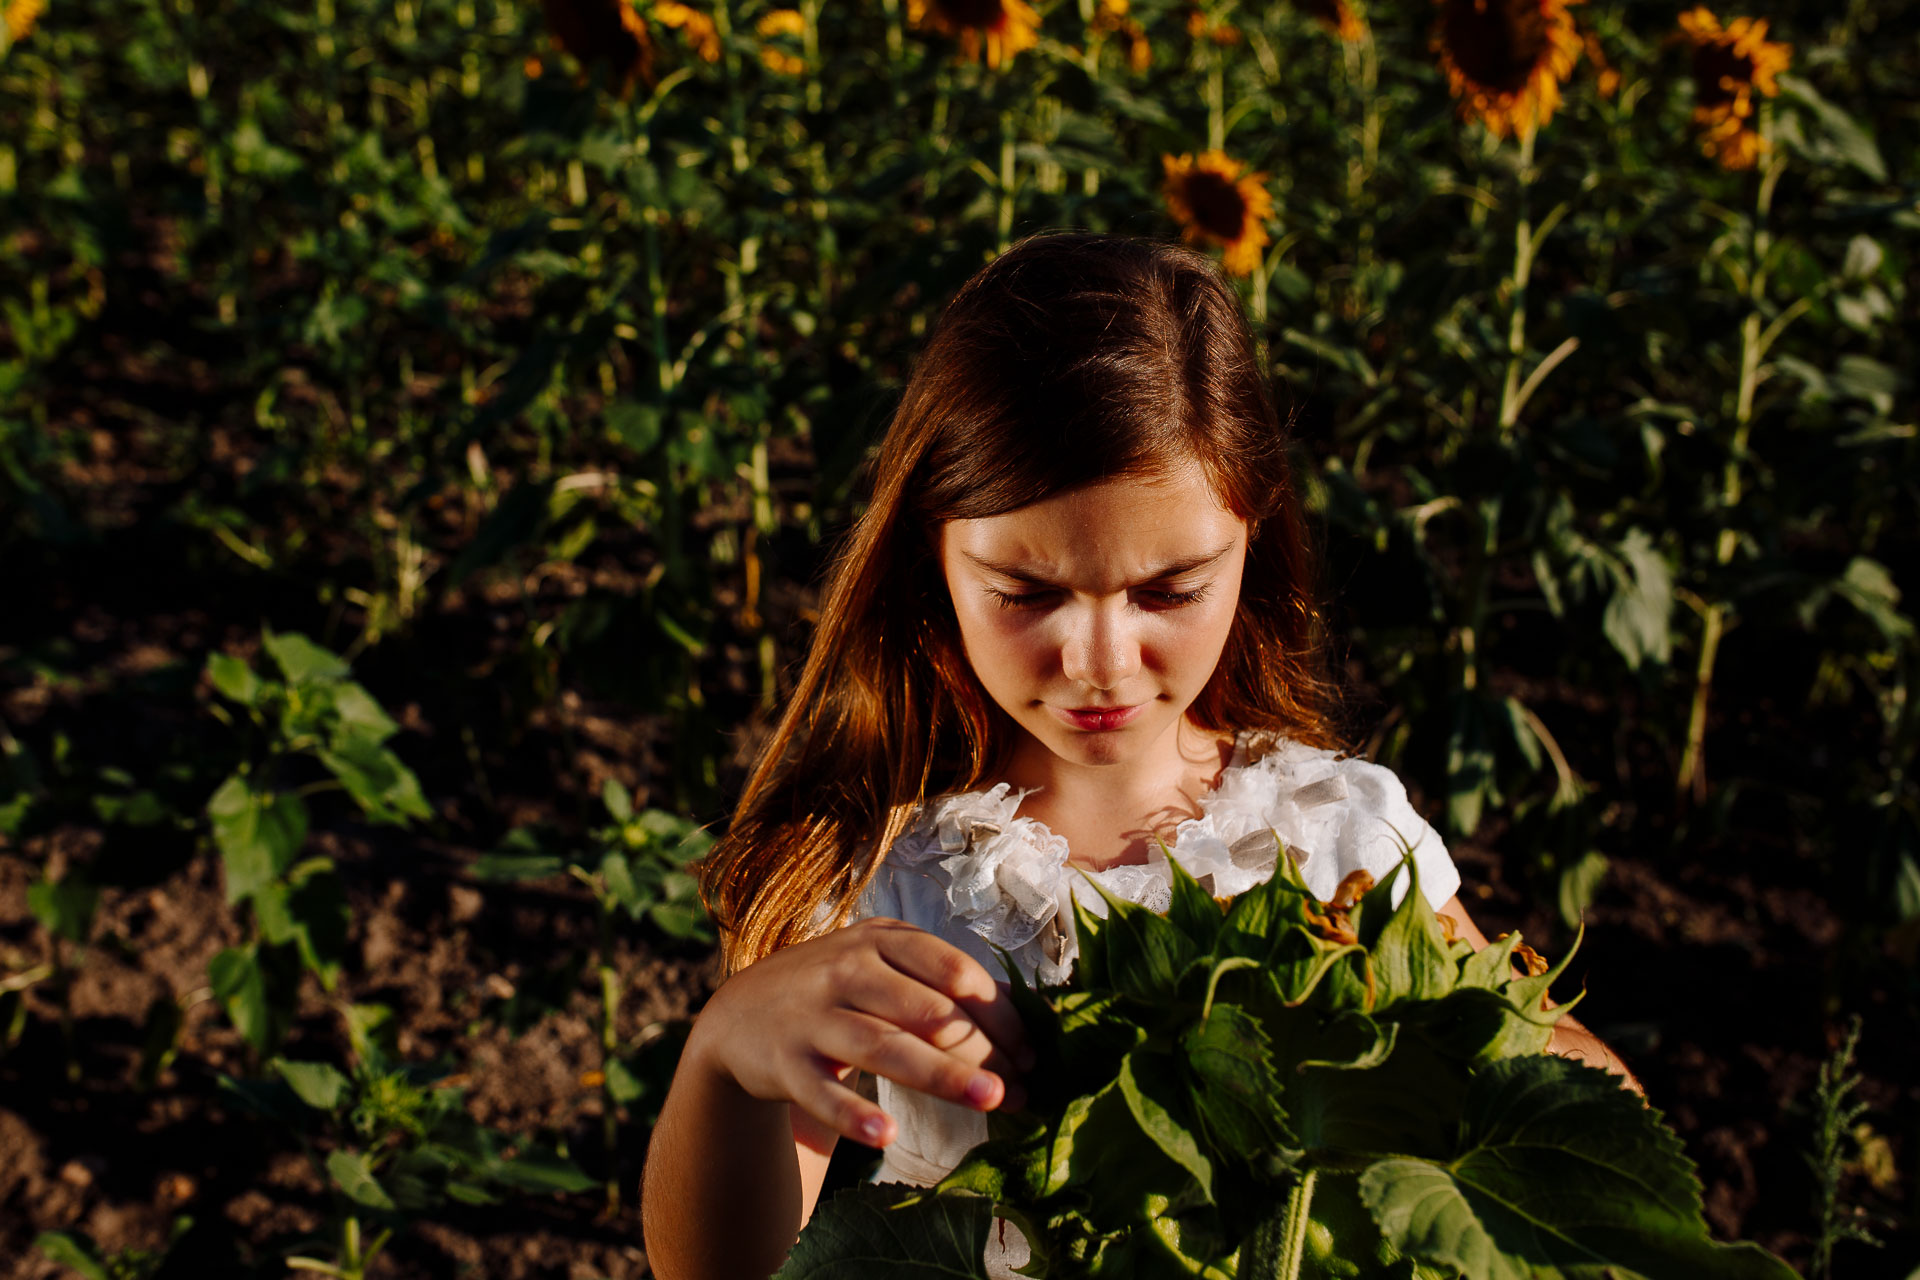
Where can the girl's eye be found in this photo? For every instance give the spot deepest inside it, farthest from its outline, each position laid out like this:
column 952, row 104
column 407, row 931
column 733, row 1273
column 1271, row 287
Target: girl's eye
column 1173, row 599
column 1017, row 599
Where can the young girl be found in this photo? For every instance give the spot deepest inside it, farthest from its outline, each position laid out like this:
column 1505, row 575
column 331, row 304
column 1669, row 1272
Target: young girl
column 1076, row 621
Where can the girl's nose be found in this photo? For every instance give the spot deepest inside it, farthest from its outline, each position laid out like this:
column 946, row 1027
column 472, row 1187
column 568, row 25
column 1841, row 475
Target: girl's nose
column 1101, row 652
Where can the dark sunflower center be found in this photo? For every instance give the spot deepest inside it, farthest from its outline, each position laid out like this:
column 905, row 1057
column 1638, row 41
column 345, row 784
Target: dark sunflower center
column 1218, row 207
column 1711, row 64
column 972, row 13
column 1497, row 44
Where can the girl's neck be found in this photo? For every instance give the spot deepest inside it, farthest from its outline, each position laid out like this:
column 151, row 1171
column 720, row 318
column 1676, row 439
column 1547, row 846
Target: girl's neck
column 1109, row 814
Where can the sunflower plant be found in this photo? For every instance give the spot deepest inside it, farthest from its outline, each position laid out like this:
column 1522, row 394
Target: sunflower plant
column 1289, row 1088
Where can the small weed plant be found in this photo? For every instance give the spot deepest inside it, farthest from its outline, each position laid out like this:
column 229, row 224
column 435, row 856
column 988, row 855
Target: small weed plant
column 1291, row 1088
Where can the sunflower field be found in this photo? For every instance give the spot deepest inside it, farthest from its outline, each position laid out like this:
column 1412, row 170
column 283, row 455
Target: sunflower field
column 424, row 424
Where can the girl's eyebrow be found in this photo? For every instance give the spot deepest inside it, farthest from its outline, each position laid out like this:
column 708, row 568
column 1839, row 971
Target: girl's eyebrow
column 1171, row 569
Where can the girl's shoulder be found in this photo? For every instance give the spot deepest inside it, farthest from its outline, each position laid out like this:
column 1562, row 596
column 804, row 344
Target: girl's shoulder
column 969, row 868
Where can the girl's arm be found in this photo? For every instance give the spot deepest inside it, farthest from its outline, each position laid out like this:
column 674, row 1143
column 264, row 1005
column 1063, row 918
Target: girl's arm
column 1570, row 1038
column 763, row 1092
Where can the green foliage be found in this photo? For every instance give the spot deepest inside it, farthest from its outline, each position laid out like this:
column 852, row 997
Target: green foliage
column 1215, row 1094
column 1835, row 1114
column 79, row 1254
column 313, row 712
column 635, row 865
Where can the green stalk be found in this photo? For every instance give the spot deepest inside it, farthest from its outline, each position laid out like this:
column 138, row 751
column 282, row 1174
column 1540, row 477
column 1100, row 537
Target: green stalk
column 1006, row 179
column 1278, row 1245
column 1691, row 781
column 609, row 1050
column 1523, row 247
column 1216, row 101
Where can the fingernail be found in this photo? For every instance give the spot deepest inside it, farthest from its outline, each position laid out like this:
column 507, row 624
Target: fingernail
column 873, row 1128
column 979, row 1089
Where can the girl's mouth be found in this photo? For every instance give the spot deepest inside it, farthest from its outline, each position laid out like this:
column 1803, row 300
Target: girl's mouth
column 1099, row 719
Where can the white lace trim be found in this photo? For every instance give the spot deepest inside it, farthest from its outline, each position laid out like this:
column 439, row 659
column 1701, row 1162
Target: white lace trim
column 1006, row 877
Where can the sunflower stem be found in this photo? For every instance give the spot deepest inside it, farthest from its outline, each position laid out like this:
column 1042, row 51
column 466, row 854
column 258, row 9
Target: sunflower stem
column 1006, row 179
column 1216, row 101
column 1691, row 781
column 1522, row 270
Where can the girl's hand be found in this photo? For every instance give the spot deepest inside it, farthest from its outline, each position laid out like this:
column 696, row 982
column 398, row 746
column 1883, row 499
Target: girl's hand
column 878, row 996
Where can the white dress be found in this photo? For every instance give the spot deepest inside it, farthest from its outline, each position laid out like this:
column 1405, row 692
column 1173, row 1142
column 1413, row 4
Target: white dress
column 971, row 871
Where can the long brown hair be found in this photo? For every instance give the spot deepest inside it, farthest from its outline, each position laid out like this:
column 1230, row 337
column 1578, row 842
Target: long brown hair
column 1071, row 359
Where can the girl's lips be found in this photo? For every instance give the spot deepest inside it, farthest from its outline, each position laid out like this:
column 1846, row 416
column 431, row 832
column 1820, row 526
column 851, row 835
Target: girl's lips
column 1097, row 721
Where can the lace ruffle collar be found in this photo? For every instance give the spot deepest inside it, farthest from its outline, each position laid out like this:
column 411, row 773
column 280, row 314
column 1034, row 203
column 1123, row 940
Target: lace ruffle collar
column 1007, row 878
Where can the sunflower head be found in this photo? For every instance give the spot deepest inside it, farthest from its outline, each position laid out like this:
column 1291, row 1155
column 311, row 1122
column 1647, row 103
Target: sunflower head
column 1003, row 27
column 1337, row 16
column 1506, row 59
column 609, row 31
column 1200, row 27
column 20, row 17
column 1216, row 206
column 772, row 26
column 698, row 29
column 1110, row 18
column 1730, row 65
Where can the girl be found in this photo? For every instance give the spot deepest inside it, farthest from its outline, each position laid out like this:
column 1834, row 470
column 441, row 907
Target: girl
column 1076, row 621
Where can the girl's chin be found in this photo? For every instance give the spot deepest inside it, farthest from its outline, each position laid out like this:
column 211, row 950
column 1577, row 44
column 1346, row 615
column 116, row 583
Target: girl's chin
column 1106, row 746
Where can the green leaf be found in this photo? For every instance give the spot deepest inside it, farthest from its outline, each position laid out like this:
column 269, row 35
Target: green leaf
column 237, row 980
column 506, row 867
column 1561, row 1172
column 1237, row 1095
column 1142, row 1077
column 1193, row 911
column 64, row 908
column 302, row 661
column 234, row 679
column 382, row 786
column 1409, row 953
column 892, row 1232
column 1838, row 133
column 1637, row 619
column 357, row 708
column 353, row 1174
column 617, row 874
column 1578, row 884
column 258, row 834
column 1145, row 953
column 67, row 1251
column 622, row 1085
column 318, row 1084
column 542, row 1172
column 619, row 802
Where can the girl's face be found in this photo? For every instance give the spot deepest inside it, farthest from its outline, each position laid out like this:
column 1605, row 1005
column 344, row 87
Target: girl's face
column 1115, row 598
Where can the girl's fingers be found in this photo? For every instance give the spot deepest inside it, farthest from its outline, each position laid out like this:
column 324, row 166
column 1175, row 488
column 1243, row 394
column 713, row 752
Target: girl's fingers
column 892, row 996
column 821, row 1095
column 875, row 1045
column 955, row 974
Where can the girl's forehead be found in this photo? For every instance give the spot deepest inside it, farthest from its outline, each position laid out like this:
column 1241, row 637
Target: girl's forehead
column 1129, row 526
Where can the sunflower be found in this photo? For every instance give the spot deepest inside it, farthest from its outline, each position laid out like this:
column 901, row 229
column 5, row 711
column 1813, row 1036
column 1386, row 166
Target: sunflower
column 1728, row 65
column 20, row 17
column 1336, row 16
column 1216, row 206
column 1505, row 59
column 1200, row 28
column 1006, row 26
column 702, row 36
column 608, row 31
column 1111, row 18
column 776, row 23
column 1606, row 79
